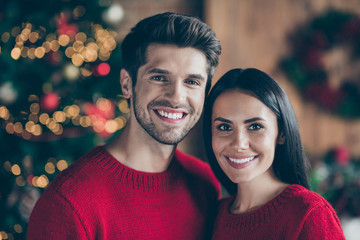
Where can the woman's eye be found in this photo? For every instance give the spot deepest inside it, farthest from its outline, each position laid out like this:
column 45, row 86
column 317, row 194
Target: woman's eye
column 255, row 126
column 224, row 127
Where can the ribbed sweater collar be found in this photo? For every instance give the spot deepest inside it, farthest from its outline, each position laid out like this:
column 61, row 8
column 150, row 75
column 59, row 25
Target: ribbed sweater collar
column 250, row 221
column 137, row 179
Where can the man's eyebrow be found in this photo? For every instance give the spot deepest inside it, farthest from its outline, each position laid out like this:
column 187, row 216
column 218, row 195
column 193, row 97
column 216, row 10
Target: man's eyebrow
column 197, row 76
column 158, row 70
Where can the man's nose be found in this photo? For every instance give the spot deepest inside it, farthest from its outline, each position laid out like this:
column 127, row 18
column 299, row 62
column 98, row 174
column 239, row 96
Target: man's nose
column 176, row 93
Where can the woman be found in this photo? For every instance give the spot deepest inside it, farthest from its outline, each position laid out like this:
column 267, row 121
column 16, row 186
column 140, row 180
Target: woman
column 254, row 147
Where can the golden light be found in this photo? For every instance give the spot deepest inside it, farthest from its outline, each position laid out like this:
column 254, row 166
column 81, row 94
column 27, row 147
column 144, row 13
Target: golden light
column 7, row 166
column 85, row 72
column 24, row 51
column 77, row 59
column 79, row 11
column 54, row 45
column 62, row 165
column 18, row 128
column 59, row 116
column 29, row 126
column 33, row 98
column 80, row 37
column 124, row 106
column 33, row 37
column 64, row 40
column 25, row 135
column 33, row 117
column 44, row 117
column 121, row 122
column 15, row 53
column 40, row 52
column 104, row 104
column 18, row 228
column 90, row 55
column 69, row 51
column 76, row 120
column 20, row 181
column 10, row 128
column 15, row 31
column 35, row 108
column 15, row 169
column 85, row 121
column 3, row 235
column 47, row 46
column 37, row 130
column 5, row 37
column 22, row 37
column 4, row 113
column 31, row 53
column 72, row 111
column 59, row 130
column 51, row 123
column 50, row 167
column 111, row 126
column 50, row 37
column 42, row 181
column 78, row 46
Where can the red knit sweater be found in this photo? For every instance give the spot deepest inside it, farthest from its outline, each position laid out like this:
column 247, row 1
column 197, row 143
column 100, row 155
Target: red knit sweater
column 99, row 198
column 296, row 213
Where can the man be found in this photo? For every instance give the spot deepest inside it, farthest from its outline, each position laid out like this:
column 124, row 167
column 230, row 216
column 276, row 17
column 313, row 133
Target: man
column 138, row 186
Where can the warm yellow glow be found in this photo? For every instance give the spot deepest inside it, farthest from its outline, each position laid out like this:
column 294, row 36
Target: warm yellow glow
column 50, row 37
column 85, row 72
column 79, row 11
column 18, row 228
column 69, row 51
column 62, row 165
column 33, row 117
column 37, row 130
column 103, row 104
column 47, row 46
column 64, row 40
column 54, row 45
column 18, row 128
column 85, row 121
column 4, row 113
column 23, row 37
column 24, row 51
column 51, row 124
column 42, row 181
column 20, row 181
column 124, row 106
column 50, row 168
column 77, row 59
column 111, row 126
column 90, row 55
column 76, row 120
column 81, row 37
column 40, row 52
column 58, row 130
column 72, row 111
column 25, row 135
column 5, row 37
column 44, row 117
column 121, row 121
column 31, row 53
column 15, row 53
column 3, row 235
column 33, row 37
column 7, row 166
column 15, row 169
column 33, row 98
column 15, row 31
column 78, row 46
column 29, row 126
column 10, row 128
column 59, row 116
column 35, row 108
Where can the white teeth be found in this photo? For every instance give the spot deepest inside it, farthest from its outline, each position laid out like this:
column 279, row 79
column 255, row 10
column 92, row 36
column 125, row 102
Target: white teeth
column 240, row 161
column 170, row 115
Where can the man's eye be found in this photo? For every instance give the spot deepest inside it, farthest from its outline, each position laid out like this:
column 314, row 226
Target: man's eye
column 255, row 126
column 224, row 127
column 193, row 82
column 158, row 78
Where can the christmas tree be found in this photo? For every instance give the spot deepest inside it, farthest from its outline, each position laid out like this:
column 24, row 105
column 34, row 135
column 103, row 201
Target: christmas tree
column 59, row 95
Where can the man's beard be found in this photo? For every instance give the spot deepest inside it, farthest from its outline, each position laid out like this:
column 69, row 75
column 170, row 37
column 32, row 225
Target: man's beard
column 167, row 135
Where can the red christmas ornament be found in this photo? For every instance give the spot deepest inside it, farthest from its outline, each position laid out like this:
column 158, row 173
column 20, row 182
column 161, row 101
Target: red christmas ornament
column 50, row 102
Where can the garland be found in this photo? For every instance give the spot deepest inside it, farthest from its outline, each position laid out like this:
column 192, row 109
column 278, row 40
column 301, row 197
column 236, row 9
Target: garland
column 324, row 62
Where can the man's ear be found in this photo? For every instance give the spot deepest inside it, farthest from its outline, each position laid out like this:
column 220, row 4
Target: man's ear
column 281, row 138
column 126, row 84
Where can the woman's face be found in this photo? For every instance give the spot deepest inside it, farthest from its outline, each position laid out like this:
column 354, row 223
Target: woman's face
column 244, row 136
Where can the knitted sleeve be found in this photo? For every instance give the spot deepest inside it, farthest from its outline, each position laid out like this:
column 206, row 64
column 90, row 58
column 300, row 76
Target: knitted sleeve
column 54, row 218
column 322, row 223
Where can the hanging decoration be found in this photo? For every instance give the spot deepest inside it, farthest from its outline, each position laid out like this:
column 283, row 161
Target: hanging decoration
column 325, row 62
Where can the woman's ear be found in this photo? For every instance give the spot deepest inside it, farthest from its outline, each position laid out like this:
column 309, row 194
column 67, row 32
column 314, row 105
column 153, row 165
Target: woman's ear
column 281, row 138
column 126, row 84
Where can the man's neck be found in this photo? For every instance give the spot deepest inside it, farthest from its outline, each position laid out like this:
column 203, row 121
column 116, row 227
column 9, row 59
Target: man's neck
column 140, row 151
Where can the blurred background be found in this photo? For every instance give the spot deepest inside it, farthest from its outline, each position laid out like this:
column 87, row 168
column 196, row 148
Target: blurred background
column 60, row 93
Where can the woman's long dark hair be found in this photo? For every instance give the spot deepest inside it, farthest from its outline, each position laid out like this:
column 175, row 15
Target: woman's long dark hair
column 290, row 163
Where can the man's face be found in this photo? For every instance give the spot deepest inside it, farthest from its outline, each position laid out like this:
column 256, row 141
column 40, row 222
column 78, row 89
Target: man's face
column 169, row 94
